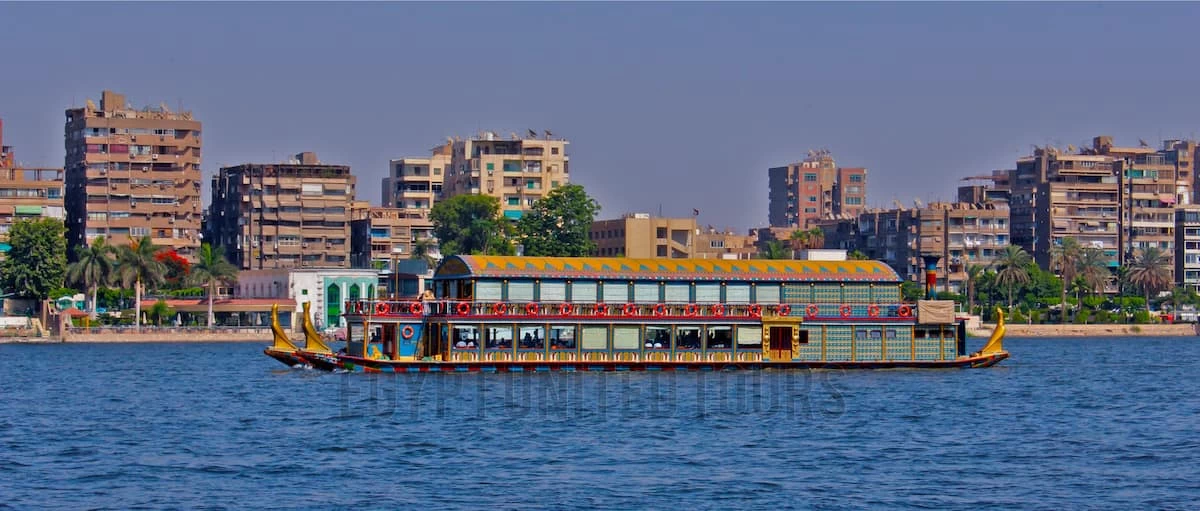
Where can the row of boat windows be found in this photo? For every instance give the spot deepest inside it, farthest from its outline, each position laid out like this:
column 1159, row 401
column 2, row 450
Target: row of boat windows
column 601, row 337
column 609, row 291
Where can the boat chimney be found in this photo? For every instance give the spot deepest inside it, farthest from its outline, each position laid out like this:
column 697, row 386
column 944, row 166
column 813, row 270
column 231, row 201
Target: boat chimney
column 931, row 262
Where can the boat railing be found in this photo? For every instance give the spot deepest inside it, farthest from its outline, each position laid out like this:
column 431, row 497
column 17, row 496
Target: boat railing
column 418, row 309
column 150, row 329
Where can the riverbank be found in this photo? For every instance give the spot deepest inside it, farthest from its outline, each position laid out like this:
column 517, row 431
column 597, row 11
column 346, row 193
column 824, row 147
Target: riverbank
column 147, row 336
column 1099, row 330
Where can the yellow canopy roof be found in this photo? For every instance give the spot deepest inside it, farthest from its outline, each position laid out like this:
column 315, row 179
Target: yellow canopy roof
column 666, row 269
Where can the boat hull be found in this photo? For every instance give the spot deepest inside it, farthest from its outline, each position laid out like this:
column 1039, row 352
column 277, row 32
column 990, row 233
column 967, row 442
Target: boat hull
column 358, row 364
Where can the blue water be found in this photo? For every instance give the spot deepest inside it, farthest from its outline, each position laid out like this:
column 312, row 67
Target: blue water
column 1097, row 423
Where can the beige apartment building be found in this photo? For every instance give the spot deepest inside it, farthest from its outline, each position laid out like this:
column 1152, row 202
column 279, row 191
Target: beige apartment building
column 132, row 172
column 814, row 189
column 713, row 243
column 295, row 214
column 416, row 183
column 639, row 235
column 960, row 235
column 26, row 193
column 382, row 235
column 516, row 170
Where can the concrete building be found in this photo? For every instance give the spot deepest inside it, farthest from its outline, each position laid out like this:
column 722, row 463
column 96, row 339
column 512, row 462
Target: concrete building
column 814, row 189
column 639, row 235
column 416, row 183
column 712, row 243
column 517, row 171
column 381, row 235
column 1187, row 246
column 1057, row 195
column 131, row 173
column 26, row 192
column 283, row 215
column 327, row 289
column 994, row 188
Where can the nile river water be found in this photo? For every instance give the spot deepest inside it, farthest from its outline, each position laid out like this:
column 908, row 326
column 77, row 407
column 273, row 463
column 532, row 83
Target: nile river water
column 1065, row 424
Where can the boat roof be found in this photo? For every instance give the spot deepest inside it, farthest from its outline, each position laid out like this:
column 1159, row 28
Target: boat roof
column 665, row 269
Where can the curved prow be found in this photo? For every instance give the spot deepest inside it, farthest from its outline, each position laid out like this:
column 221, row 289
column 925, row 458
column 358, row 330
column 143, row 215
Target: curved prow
column 281, row 339
column 995, row 344
column 312, row 339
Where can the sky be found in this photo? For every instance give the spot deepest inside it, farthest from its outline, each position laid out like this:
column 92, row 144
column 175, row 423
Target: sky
column 668, row 107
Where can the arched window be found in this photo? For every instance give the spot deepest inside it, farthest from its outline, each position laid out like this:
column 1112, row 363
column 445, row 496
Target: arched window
column 370, row 291
column 355, row 292
column 333, row 305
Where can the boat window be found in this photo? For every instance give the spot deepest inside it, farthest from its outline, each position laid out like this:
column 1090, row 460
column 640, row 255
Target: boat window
column 520, row 291
column 584, row 291
column 749, row 338
column 891, row 333
column 616, row 291
column 708, row 293
column 766, row 293
column 552, row 291
column 658, row 338
column 499, row 337
column 719, row 337
column 626, row 337
column 860, row 334
column 864, row 334
column 645, row 292
column 737, row 293
column 533, row 338
column 488, row 291
column 562, row 337
column 687, row 337
column 594, row 337
column 677, row 293
column 466, row 337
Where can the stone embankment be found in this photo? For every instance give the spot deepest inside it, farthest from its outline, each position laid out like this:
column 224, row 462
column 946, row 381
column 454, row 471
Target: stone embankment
column 1072, row 330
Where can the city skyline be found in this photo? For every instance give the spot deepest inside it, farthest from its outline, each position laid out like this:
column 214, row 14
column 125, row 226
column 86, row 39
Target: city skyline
column 694, row 101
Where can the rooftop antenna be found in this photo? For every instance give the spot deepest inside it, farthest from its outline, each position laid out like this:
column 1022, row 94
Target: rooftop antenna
column 1071, row 148
column 898, row 204
column 917, row 202
column 532, row 134
column 548, row 134
column 1143, row 143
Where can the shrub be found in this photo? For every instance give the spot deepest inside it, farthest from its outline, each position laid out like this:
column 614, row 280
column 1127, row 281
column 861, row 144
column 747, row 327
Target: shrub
column 1081, row 317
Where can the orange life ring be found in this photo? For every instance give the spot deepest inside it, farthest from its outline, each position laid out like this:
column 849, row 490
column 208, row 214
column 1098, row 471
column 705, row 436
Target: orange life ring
column 566, row 309
column 660, row 310
column 416, row 308
column 500, row 309
column 904, row 311
column 629, row 310
column 845, row 310
column 381, row 308
column 463, row 308
column 601, row 309
column 406, row 332
column 531, row 308
column 812, row 310
column 784, row 310
column 718, row 310
column 756, row 311
column 873, row 310
column 691, row 309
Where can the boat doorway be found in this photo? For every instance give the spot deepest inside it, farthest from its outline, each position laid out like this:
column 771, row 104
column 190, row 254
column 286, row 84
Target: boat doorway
column 779, row 343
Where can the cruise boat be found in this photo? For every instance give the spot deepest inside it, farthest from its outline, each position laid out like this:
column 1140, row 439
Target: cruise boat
column 514, row 314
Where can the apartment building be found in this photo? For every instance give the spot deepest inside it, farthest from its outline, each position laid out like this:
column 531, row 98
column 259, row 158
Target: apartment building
column 382, row 235
column 132, row 172
column 516, row 170
column 1057, row 195
column 416, row 183
column 987, row 189
column 283, row 215
column 959, row 235
column 1187, row 246
column 26, row 193
column 714, row 243
column 639, row 235
column 813, row 189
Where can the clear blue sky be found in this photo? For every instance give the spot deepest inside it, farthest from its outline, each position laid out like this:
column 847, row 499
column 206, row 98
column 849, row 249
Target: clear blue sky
column 683, row 105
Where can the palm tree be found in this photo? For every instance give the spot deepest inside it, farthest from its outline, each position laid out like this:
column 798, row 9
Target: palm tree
column 1011, row 270
column 1149, row 271
column 421, row 250
column 137, row 266
column 1092, row 267
column 973, row 273
column 1066, row 259
column 211, row 268
column 776, row 250
column 93, row 267
column 799, row 239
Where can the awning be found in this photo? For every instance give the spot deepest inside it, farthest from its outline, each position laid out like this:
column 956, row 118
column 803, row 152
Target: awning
column 28, row 210
column 513, row 214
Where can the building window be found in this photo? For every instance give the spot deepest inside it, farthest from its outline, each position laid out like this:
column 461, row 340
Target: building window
column 856, row 178
column 662, row 251
column 810, row 210
column 857, row 201
column 553, row 150
column 514, row 201
column 812, row 198
column 716, row 244
column 812, row 178
column 661, row 233
column 491, row 166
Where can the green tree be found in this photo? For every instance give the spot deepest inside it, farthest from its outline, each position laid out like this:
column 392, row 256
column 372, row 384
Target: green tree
column 423, row 250
column 974, row 271
column 210, row 269
column 558, row 224
column 776, row 249
column 1065, row 259
column 1150, row 272
column 470, row 224
column 159, row 311
column 857, row 255
column 37, row 261
column 911, row 291
column 93, row 267
column 1093, row 270
column 1012, row 270
column 137, row 266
